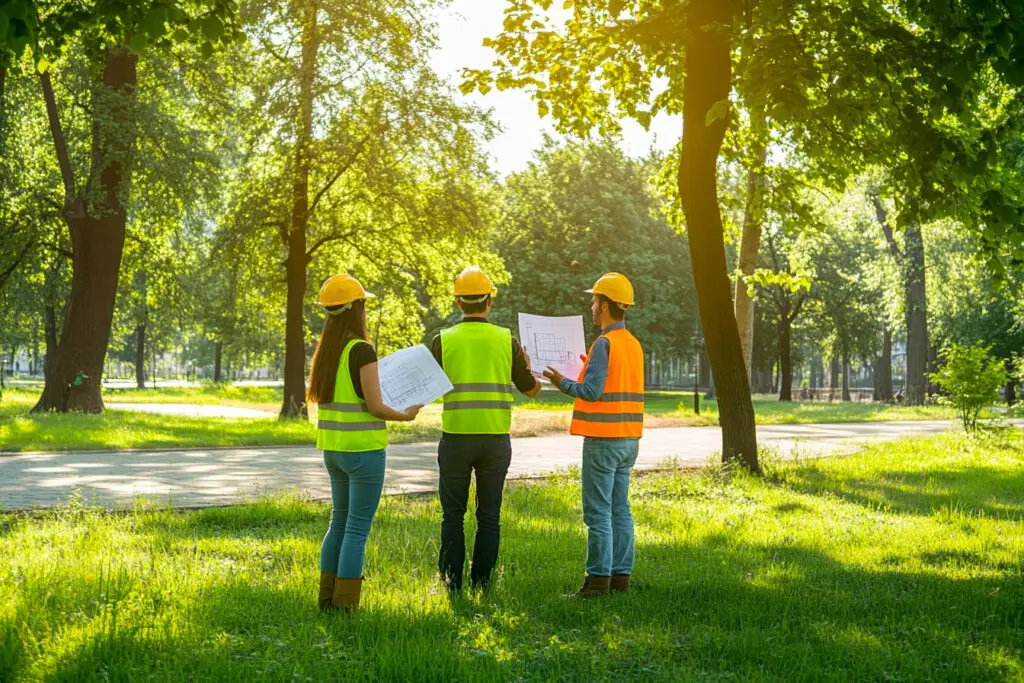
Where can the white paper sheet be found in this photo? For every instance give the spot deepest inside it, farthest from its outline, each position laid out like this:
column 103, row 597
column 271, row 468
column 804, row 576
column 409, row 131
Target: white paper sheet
column 556, row 342
column 411, row 377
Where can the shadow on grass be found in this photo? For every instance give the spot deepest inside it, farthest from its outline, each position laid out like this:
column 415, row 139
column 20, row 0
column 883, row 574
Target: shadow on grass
column 714, row 608
column 992, row 492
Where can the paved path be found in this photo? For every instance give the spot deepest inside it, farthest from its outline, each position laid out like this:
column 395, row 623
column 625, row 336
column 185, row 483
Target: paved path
column 191, row 410
column 217, row 477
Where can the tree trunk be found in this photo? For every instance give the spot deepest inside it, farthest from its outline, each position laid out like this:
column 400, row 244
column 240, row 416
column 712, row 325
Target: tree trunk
column 833, row 378
column 750, row 243
column 846, row 376
column 96, row 222
column 786, row 360
column 1011, row 392
column 917, row 317
column 706, row 88
column 218, row 349
column 140, row 355
column 294, row 404
column 883, row 373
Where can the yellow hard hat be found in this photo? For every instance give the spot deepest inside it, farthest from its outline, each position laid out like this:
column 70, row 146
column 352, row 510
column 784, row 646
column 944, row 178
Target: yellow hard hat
column 473, row 282
column 341, row 290
column 616, row 287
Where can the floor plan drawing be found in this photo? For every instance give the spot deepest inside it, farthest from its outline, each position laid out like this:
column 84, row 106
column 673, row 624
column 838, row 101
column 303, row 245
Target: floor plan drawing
column 557, row 342
column 411, row 376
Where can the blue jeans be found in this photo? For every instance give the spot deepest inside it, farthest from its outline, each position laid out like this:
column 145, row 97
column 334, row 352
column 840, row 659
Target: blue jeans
column 357, row 480
column 606, row 466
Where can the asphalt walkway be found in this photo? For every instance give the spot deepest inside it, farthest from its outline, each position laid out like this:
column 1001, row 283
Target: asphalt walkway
column 201, row 477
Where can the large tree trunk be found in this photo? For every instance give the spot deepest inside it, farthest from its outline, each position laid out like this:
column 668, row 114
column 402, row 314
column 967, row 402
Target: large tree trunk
column 96, row 222
column 917, row 317
column 294, row 404
column 786, row 360
column 750, row 245
column 140, row 355
column 706, row 88
column 883, row 370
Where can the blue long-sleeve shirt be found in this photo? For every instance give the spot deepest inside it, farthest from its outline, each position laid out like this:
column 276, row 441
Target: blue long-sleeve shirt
column 592, row 386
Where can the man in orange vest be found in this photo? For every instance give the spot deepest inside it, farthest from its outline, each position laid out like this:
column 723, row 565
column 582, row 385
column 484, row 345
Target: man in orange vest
column 609, row 415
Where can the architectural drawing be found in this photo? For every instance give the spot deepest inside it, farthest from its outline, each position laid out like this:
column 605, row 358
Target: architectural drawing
column 411, row 376
column 553, row 341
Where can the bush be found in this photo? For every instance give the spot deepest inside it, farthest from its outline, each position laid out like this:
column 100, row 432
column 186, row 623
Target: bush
column 971, row 380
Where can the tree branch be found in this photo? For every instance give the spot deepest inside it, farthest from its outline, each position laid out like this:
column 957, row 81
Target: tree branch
column 882, row 217
column 340, row 172
column 59, row 142
column 7, row 272
column 334, row 237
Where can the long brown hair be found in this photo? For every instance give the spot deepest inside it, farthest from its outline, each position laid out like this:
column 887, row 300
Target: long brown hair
column 339, row 330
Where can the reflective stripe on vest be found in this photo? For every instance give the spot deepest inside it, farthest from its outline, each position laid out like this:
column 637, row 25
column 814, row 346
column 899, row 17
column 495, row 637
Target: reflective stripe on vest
column 477, row 357
column 345, row 424
column 619, row 411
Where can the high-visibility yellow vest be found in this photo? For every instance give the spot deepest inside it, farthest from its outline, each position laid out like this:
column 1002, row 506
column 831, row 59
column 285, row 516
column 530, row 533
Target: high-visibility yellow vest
column 345, row 424
column 477, row 358
column 619, row 411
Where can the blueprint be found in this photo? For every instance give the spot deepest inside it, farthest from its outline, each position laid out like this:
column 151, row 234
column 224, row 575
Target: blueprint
column 554, row 342
column 411, row 377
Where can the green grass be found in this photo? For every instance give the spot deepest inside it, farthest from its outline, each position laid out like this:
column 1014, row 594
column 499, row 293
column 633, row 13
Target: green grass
column 905, row 562
column 548, row 413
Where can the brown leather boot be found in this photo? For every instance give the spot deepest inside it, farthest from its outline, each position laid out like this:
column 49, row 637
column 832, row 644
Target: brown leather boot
column 326, row 590
column 593, row 587
column 620, row 583
column 346, row 594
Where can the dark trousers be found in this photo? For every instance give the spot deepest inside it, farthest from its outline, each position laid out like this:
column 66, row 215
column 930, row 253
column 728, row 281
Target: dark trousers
column 458, row 456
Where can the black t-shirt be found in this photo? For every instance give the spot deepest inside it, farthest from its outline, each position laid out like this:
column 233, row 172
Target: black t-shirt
column 361, row 354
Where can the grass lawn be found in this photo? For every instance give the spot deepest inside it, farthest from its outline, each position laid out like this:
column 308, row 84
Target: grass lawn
column 548, row 413
column 905, row 562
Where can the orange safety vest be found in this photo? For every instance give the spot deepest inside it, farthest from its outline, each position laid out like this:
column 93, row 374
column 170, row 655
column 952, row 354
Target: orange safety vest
column 619, row 411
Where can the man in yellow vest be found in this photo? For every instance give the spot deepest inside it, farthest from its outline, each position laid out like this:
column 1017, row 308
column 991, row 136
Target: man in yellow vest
column 609, row 415
column 483, row 362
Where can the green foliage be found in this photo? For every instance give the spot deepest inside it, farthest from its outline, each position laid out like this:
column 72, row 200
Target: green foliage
column 971, row 380
column 579, row 211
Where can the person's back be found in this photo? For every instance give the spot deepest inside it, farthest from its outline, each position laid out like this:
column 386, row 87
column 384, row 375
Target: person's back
column 484, row 362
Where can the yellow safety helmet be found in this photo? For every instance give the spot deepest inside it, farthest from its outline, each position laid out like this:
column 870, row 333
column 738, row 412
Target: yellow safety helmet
column 616, row 287
column 341, row 290
column 473, row 282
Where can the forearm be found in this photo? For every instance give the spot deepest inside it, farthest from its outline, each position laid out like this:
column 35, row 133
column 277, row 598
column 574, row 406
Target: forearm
column 386, row 412
column 585, row 390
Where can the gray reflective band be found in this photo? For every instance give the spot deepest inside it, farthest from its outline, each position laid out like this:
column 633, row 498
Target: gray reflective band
column 607, row 417
column 469, row 405
column 351, row 426
column 345, row 407
column 504, row 388
column 621, row 396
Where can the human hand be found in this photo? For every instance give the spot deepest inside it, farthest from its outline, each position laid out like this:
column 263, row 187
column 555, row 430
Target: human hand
column 554, row 376
column 583, row 358
column 411, row 412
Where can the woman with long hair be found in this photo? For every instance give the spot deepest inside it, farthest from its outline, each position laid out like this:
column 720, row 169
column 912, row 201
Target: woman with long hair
column 352, row 433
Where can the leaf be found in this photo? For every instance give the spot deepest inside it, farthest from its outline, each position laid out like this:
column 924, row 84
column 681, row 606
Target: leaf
column 206, row 50
column 153, row 24
column 43, row 65
column 138, row 43
column 719, row 110
column 615, row 7
column 542, row 108
column 644, row 119
column 4, row 24
column 212, row 28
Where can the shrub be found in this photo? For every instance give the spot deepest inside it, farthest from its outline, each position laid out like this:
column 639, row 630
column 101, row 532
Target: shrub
column 971, row 380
